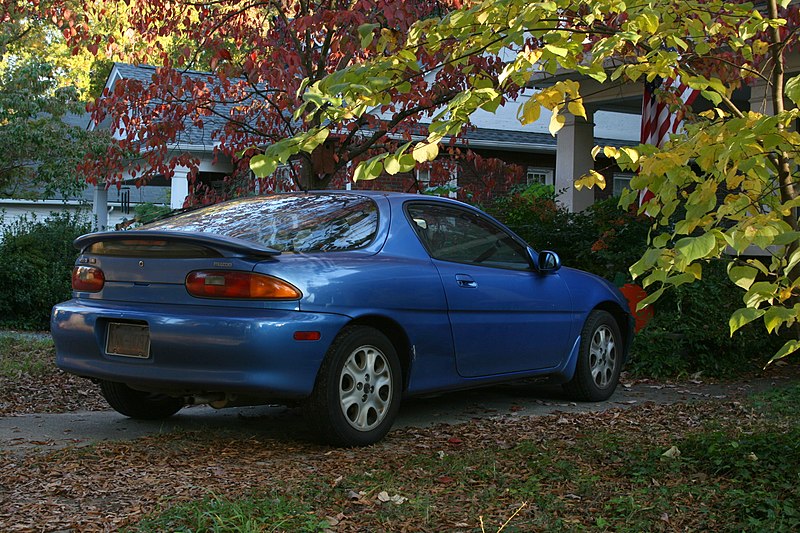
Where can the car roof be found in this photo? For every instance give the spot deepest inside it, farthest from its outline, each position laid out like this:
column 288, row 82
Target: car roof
column 390, row 195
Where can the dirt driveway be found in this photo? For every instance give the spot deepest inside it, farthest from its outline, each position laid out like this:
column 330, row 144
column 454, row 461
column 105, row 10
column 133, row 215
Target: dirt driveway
column 52, row 431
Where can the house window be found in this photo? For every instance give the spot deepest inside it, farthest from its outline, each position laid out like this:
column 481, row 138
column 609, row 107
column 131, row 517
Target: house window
column 423, row 177
column 283, row 178
column 539, row 175
column 450, row 169
column 622, row 181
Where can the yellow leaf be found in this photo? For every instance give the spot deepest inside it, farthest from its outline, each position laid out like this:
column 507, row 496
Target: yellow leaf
column 532, row 56
column 576, row 108
column 529, row 112
column 392, row 165
column 556, row 122
column 760, row 47
column 591, row 179
column 696, row 270
column 425, row 152
column 610, row 152
column 632, row 153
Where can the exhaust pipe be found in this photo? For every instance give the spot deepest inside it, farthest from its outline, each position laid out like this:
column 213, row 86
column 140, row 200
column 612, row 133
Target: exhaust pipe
column 216, row 400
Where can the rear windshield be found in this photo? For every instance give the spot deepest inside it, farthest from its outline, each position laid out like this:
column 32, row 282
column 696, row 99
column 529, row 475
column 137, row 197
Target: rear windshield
column 288, row 223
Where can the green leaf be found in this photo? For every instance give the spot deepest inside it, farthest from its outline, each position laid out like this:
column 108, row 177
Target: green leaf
column 743, row 276
column 369, row 170
column 650, row 299
column 775, row 316
column 556, row 50
column 792, row 89
column 788, row 348
column 712, row 96
column 794, row 259
column 314, row 140
column 743, row 316
column 262, row 166
column 365, row 33
column 759, row 293
column 661, row 240
column 644, row 264
column 693, row 248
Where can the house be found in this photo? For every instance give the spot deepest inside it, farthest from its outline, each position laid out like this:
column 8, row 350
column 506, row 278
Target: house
column 545, row 159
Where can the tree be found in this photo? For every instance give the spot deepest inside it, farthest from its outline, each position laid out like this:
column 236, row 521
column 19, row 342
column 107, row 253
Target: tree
column 248, row 64
column 39, row 151
column 728, row 182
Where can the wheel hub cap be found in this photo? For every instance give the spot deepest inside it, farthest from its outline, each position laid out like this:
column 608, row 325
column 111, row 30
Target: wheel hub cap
column 365, row 388
column 602, row 356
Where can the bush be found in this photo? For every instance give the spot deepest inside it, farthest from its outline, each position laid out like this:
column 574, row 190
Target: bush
column 604, row 239
column 38, row 258
column 689, row 332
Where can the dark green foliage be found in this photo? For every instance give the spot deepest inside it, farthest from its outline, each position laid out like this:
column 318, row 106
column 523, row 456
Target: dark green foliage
column 604, row 239
column 39, row 150
column 689, row 332
column 38, row 257
column 149, row 212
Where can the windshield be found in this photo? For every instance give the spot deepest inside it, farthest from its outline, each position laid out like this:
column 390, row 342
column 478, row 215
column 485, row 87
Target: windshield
column 287, row 223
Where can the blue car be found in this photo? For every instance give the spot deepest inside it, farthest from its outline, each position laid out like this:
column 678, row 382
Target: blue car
column 342, row 302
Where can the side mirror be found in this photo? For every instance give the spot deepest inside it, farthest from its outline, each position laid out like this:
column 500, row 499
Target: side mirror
column 548, row 261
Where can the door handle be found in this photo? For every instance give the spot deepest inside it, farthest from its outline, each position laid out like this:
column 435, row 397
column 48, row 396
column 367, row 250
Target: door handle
column 466, row 282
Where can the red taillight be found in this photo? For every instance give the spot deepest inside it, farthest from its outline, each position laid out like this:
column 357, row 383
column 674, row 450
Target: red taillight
column 87, row 279
column 240, row 285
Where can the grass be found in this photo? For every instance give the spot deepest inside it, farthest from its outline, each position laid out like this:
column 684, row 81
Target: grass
column 733, row 473
column 254, row 513
column 22, row 354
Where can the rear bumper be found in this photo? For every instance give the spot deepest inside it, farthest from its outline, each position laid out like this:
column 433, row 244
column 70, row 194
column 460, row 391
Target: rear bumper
column 198, row 349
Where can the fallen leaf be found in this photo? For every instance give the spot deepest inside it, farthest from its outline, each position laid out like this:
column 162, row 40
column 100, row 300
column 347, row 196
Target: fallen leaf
column 672, row 453
column 384, row 497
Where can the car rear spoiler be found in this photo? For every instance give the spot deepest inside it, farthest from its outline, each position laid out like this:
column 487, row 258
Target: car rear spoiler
column 231, row 245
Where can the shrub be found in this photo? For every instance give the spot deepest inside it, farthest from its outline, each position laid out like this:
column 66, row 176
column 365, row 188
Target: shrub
column 689, row 332
column 604, row 239
column 38, row 257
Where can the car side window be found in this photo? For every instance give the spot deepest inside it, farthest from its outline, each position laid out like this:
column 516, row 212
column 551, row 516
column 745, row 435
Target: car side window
column 461, row 236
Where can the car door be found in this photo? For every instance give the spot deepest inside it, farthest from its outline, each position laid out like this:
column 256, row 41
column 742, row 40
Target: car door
column 504, row 315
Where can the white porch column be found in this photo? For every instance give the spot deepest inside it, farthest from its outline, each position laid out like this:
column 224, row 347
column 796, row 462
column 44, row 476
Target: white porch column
column 574, row 143
column 100, row 206
column 179, row 188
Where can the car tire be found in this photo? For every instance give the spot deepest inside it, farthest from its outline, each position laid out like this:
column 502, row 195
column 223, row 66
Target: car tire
column 599, row 359
column 357, row 393
column 138, row 404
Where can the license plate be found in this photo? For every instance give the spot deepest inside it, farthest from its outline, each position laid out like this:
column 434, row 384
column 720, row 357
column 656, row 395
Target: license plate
column 128, row 340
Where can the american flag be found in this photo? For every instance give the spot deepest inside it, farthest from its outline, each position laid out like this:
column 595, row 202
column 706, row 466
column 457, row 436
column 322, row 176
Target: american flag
column 657, row 121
